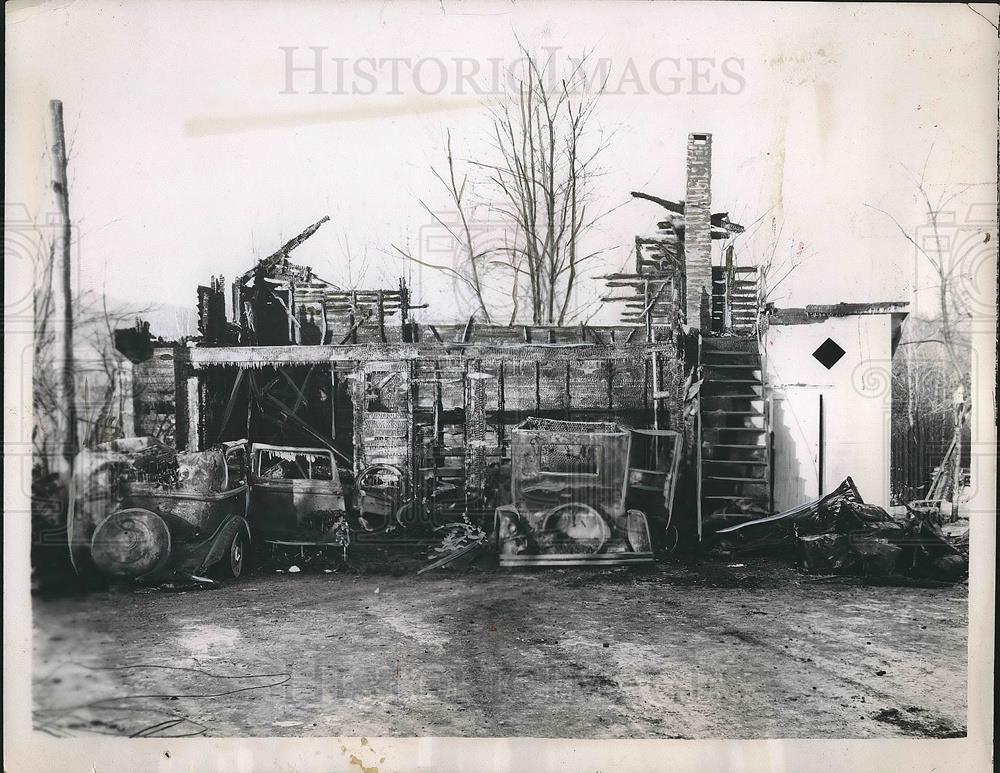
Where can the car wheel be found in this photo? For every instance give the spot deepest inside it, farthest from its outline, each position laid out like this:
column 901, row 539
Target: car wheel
column 232, row 563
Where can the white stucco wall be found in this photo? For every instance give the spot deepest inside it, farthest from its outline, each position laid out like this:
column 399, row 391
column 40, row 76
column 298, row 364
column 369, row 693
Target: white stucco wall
column 856, row 396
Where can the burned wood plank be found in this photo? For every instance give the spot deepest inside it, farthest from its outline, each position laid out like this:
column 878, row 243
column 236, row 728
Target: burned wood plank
column 262, row 356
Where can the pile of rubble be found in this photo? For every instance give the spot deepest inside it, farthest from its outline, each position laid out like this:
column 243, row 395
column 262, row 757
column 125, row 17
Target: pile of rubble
column 840, row 534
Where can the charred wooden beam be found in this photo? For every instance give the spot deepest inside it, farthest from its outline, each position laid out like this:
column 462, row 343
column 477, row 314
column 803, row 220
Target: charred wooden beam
column 192, row 426
column 273, row 356
column 719, row 219
column 381, row 316
column 676, row 207
column 273, row 259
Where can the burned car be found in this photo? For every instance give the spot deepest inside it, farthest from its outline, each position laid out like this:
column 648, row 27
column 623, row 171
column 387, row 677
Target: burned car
column 296, row 497
column 141, row 510
column 186, row 518
column 568, row 486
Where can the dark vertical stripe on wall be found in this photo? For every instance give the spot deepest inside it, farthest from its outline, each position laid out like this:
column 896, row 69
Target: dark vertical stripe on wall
column 822, row 442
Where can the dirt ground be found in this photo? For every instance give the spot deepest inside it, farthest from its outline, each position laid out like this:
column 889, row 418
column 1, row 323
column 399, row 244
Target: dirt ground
column 696, row 649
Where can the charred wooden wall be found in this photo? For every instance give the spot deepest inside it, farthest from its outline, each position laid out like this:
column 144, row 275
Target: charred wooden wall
column 451, row 397
column 153, row 395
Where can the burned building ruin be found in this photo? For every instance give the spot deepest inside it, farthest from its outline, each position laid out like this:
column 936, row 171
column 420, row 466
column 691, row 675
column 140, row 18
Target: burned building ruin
column 432, row 408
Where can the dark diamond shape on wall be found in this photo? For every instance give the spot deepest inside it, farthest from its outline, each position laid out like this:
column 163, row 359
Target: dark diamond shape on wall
column 829, row 353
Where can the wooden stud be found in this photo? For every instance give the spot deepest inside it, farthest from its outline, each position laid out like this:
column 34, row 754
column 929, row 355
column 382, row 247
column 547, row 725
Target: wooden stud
column 381, row 316
column 193, row 396
column 611, row 380
column 538, row 386
column 354, row 324
column 569, row 397
column 501, row 405
column 333, row 401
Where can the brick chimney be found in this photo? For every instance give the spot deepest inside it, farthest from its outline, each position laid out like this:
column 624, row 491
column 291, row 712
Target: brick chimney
column 698, row 231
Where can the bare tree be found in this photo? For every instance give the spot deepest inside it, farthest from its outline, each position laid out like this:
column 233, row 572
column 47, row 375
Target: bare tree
column 97, row 375
column 544, row 175
column 775, row 255
column 540, row 193
column 946, row 265
column 357, row 266
column 471, row 264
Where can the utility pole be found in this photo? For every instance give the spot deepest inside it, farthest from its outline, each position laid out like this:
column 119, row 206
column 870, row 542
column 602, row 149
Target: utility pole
column 62, row 292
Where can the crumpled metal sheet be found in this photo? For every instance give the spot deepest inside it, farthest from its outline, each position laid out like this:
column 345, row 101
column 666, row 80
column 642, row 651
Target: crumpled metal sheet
column 841, row 534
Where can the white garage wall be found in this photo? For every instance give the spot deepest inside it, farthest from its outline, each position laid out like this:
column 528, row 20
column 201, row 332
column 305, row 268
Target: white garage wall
column 856, row 396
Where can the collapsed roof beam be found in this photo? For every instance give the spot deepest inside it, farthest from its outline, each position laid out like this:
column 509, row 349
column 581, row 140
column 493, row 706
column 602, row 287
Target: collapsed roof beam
column 719, row 219
column 291, row 244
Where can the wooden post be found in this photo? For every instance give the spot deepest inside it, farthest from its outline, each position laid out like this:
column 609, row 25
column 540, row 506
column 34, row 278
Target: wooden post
column 569, row 396
column 648, row 321
column 187, row 406
column 438, row 405
column 333, row 401
column 354, row 326
column 412, row 396
column 956, row 470
column 475, row 443
column 611, row 381
column 358, row 384
column 501, row 408
column 467, row 400
column 404, row 303
column 62, row 294
column 192, row 399
column 126, row 394
column 538, row 386
column 697, row 449
column 728, row 278
column 381, row 316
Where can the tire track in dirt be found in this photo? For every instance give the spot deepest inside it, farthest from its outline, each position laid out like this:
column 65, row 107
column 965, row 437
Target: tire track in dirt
column 519, row 653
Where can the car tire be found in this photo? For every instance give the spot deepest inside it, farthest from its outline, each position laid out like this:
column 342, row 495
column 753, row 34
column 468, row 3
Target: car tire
column 235, row 559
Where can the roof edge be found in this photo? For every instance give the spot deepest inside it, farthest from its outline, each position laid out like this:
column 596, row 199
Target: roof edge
column 820, row 312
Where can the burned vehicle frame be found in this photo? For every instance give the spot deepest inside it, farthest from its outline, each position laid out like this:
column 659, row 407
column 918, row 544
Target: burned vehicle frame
column 568, row 488
column 191, row 526
column 296, row 497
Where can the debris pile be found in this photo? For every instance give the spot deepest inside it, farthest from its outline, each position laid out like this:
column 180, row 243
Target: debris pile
column 456, row 536
column 840, row 534
column 460, row 539
column 141, row 459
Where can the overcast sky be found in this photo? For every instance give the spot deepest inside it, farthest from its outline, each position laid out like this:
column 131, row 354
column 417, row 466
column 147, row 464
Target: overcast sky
column 187, row 159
